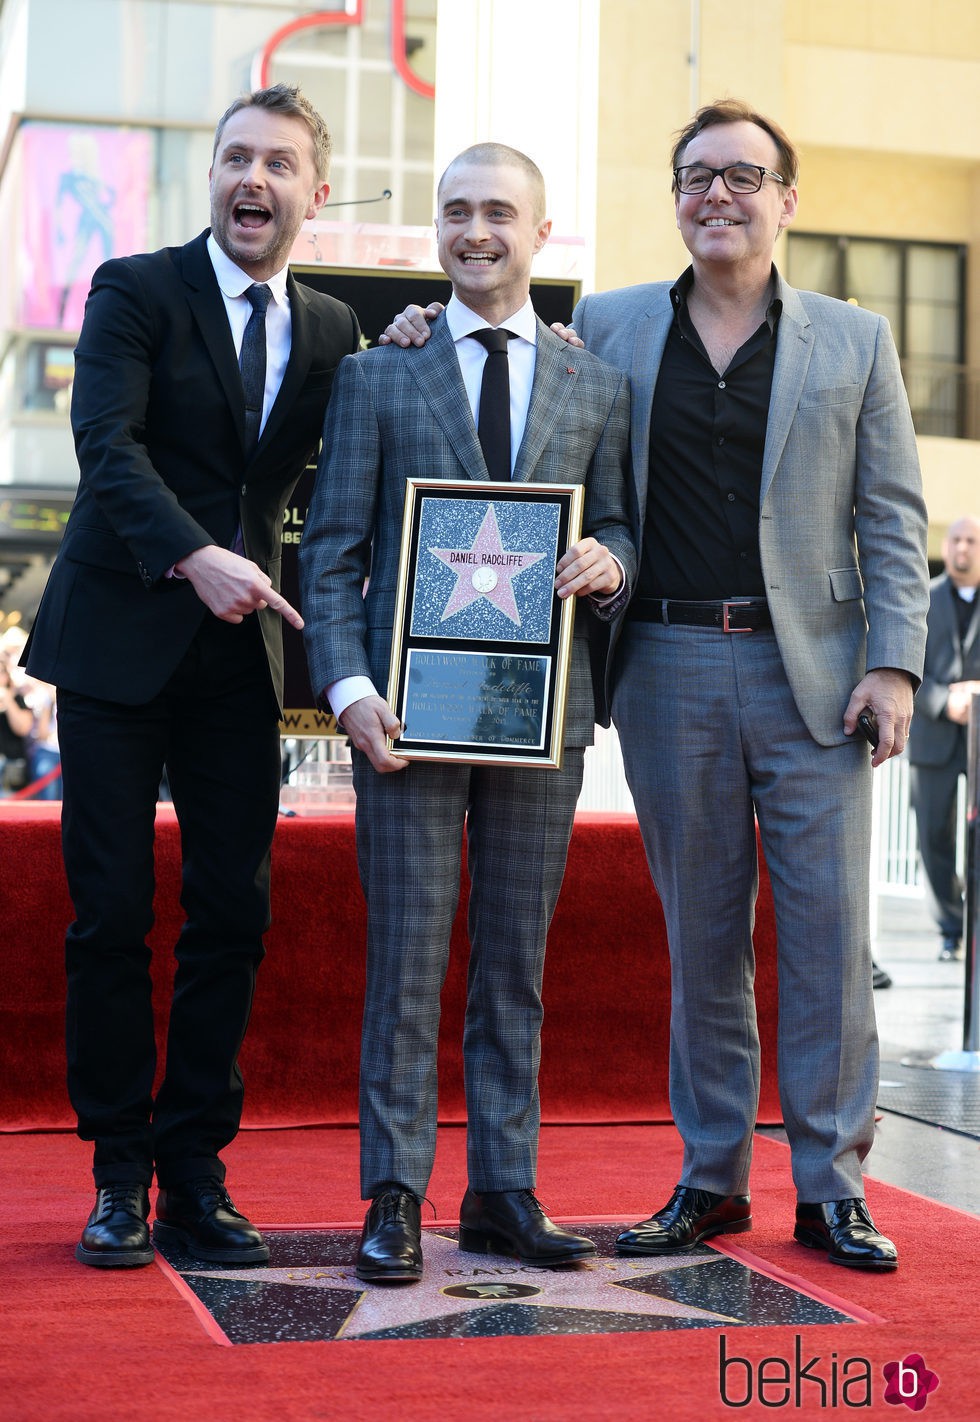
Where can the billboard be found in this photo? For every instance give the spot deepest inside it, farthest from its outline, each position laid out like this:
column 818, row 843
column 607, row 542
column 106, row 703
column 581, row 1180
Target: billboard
column 84, row 198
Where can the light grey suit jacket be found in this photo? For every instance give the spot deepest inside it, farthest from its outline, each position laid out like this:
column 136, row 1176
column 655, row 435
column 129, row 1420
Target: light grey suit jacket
column 396, row 414
column 934, row 740
column 842, row 522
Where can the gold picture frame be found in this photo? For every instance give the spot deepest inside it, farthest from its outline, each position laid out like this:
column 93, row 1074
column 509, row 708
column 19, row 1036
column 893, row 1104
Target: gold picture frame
column 481, row 645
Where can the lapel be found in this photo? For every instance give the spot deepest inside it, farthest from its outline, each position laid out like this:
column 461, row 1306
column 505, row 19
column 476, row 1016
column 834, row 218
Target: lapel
column 972, row 627
column 208, row 309
column 555, row 377
column 794, row 347
column 435, row 369
column 649, row 339
column 943, row 626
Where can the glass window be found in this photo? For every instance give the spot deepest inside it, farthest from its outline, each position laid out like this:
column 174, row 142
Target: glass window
column 873, row 269
column 813, row 263
column 920, row 288
column 932, row 331
column 382, row 126
column 48, row 374
column 934, row 273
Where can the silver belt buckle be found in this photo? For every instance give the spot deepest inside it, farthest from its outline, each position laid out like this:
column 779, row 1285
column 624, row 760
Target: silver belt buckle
column 726, row 608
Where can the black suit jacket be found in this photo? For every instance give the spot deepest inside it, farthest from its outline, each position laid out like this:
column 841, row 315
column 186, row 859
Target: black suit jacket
column 934, row 740
column 159, row 421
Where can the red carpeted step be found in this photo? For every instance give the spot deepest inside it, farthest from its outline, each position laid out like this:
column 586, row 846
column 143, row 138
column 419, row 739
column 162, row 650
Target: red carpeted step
column 83, row 1345
column 606, row 993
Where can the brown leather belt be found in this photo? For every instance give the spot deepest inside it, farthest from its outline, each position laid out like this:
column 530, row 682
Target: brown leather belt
column 741, row 614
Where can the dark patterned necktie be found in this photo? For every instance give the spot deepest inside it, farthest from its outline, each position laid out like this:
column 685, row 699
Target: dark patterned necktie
column 494, row 422
column 252, row 362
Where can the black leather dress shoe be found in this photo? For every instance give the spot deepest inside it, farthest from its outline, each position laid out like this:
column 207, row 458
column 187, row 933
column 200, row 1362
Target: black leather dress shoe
column 845, row 1229
column 391, row 1241
column 199, row 1216
column 688, row 1217
column 949, row 948
column 512, row 1222
column 117, row 1236
column 879, row 978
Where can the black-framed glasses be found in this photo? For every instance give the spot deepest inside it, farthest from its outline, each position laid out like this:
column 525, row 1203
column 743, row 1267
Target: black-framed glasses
column 737, row 177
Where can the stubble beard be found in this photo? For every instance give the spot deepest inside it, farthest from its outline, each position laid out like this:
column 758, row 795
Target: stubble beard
column 274, row 252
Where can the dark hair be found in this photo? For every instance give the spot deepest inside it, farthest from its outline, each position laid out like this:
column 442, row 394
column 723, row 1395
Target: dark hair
column 489, row 154
column 286, row 99
column 735, row 111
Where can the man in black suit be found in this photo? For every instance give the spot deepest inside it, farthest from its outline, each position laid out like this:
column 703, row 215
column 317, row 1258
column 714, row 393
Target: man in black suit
column 160, row 627
column 937, row 740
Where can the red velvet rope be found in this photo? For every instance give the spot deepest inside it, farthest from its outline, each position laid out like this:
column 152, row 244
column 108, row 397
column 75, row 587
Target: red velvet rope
column 28, row 791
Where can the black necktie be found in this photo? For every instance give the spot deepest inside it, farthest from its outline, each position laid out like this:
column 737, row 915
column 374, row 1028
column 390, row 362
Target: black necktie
column 252, row 362
column 494, row 423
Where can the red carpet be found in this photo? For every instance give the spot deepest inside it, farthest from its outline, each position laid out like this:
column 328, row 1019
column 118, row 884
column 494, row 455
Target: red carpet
column 606, row 993
column 84, row 1346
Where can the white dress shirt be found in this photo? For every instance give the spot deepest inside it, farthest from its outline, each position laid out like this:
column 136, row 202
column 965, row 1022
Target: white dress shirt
column 472, row 357
column 233, row 283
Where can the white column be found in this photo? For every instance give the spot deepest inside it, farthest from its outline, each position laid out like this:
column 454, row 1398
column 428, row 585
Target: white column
column 525, row 73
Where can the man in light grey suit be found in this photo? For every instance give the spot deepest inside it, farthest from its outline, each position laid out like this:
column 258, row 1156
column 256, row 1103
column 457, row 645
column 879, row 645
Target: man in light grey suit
column 780, row 600
column 937, row 740
column 781, row 595
column 396, row 415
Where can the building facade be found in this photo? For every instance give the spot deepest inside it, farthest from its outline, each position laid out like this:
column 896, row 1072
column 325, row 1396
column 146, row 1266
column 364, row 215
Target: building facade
column 107, row 110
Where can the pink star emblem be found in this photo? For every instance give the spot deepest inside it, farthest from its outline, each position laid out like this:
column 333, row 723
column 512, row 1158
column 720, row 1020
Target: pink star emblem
column 486, row 569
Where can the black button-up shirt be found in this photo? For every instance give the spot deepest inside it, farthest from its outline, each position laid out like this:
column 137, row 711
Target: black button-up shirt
column 707, row 436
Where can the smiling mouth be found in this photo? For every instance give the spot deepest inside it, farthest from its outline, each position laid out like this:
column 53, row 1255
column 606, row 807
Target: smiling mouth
column 251, row 215
column 718, row 222
column 479, row 259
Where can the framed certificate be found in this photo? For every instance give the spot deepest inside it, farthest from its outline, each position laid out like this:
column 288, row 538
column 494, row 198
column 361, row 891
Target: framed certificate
column 482, row 643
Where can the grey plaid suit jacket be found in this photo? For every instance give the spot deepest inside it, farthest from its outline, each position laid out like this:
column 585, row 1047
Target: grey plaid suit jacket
column 842, row 522
column 396, row 414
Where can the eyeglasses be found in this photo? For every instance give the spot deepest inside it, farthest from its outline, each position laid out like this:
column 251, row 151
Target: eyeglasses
column 737, row 177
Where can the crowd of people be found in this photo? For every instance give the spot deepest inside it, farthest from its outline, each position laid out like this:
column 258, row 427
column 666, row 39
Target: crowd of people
column 752, row 589
column 29, row 757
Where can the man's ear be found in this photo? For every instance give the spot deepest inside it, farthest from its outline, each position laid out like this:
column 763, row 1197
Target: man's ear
column 317, row 200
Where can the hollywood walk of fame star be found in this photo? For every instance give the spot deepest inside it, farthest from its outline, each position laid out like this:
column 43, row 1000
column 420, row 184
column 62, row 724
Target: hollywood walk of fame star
column 456, row 1283
column 485, row 569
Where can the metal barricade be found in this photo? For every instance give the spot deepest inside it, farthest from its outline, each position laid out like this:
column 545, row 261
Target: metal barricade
column 969, row 1058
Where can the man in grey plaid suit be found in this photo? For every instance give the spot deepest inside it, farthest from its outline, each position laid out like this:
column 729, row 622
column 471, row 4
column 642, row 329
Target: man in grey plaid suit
column 398, row 414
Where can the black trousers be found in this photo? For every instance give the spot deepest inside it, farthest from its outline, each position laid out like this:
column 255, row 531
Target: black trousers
column 933, row 791
column 214, row 727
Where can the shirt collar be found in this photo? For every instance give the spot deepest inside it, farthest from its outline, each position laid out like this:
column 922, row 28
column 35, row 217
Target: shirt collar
column 234, row 282
column 463, row 322
column 681, row 289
